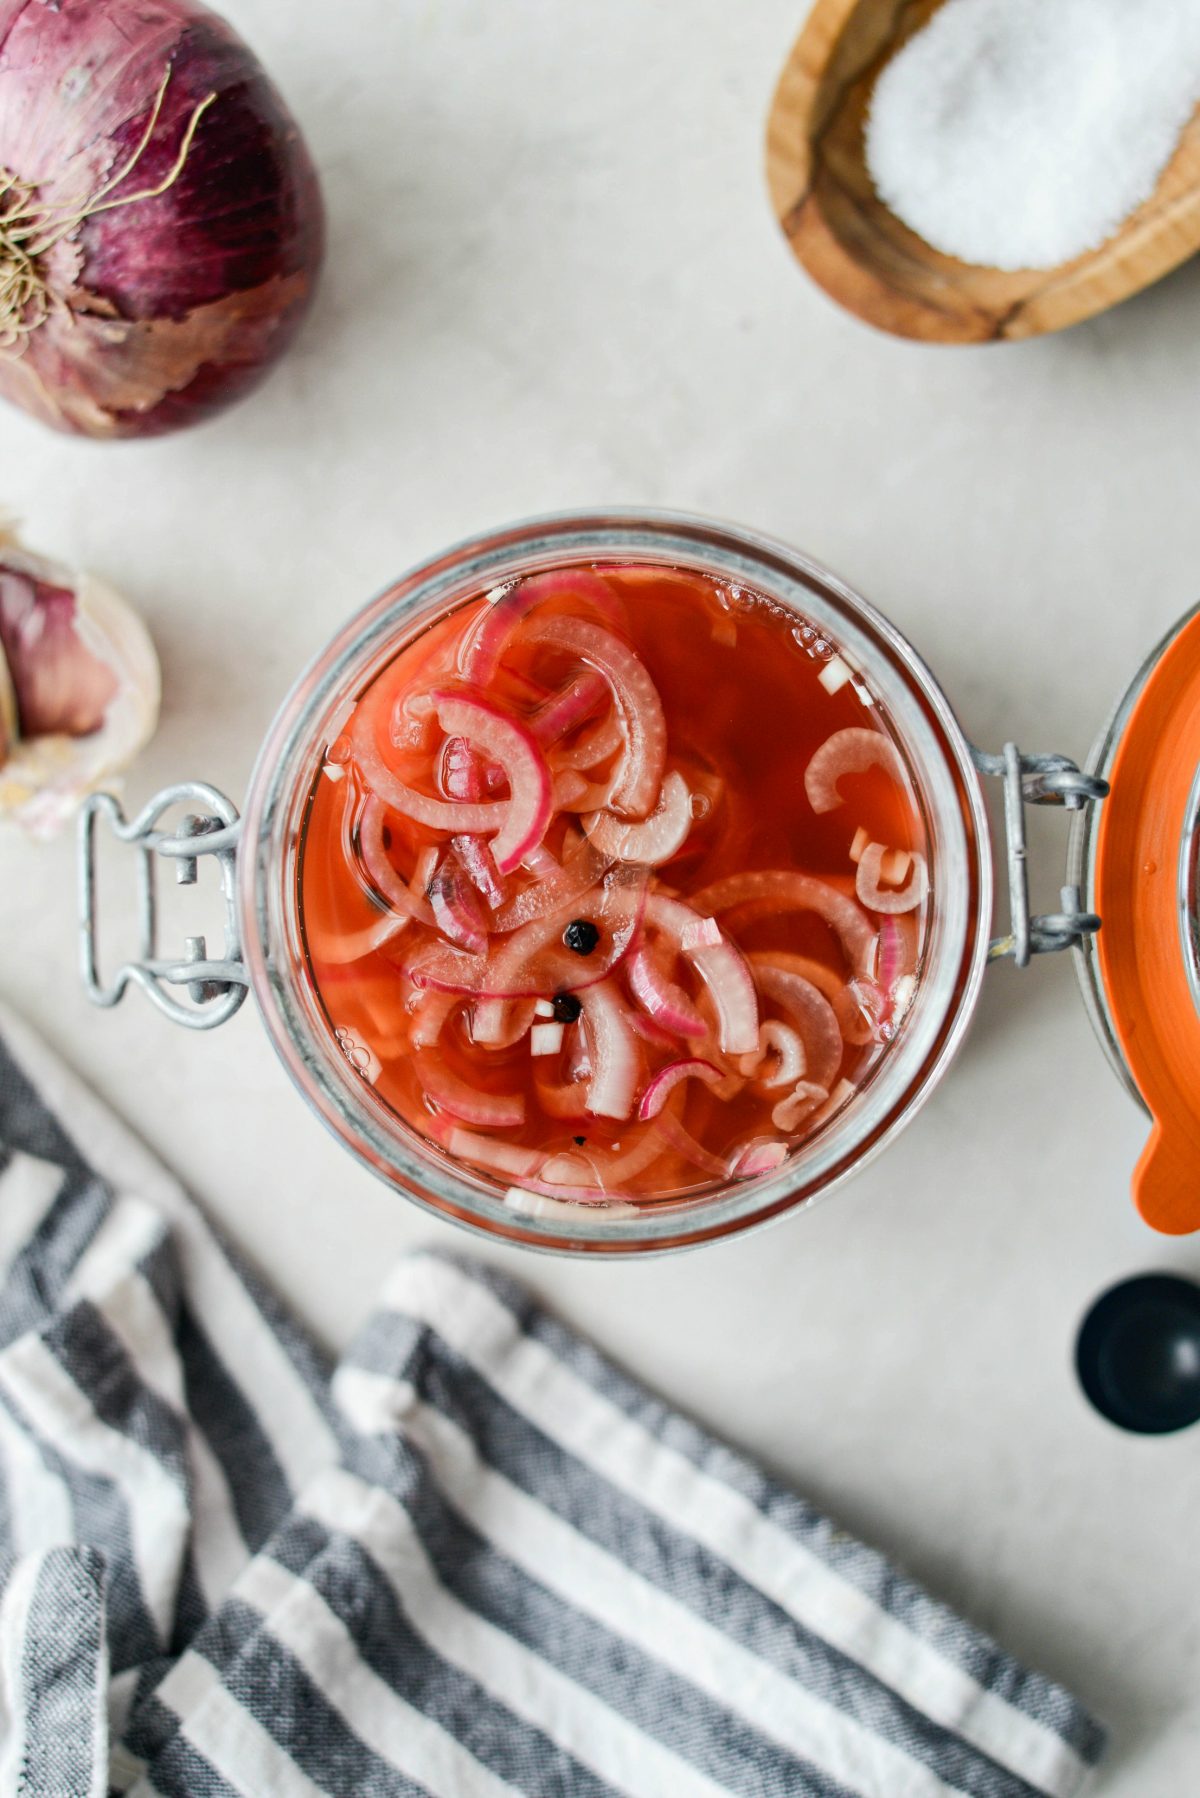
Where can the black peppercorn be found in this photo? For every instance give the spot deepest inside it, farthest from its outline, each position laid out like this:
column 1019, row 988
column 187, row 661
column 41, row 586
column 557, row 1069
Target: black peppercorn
column 581, row 936
column 566, row 1007
column 581, row 1140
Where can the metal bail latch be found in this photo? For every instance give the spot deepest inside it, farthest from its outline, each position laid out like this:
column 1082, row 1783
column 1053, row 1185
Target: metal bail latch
column 1038, row 780
column 216, row 987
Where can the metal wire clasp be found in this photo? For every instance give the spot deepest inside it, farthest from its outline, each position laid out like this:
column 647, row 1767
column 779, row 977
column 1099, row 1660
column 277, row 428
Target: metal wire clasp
column 1038, row 780
column 215, row 987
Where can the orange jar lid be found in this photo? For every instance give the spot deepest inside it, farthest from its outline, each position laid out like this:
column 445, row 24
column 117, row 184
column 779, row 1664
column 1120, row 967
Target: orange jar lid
column 1142, row 959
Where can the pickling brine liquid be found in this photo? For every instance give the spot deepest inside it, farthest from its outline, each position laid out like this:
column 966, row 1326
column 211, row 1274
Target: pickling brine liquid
column 613, row 884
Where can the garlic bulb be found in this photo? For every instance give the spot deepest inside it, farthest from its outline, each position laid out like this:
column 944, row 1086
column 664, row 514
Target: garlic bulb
column 79, row 687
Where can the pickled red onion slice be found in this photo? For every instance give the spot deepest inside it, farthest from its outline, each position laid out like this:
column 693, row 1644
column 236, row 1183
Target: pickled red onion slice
column 723, row 969
column 685, row 1144
column 486, row 1151
column 655, row 840
column 762, row 1155
column 433, row 1012
column 577, row 701
column 457, row 910
column 642, row 763
column 534, row 1200
column 479, row 865
column 869, row 886
column 513, row 746
column 609, row 1168
column 380, row 868
column 654, row 1096
column 893, row 957
column 801, row 1104
column 812, row 1013
column 781, row 1049
column 534, row 961
column 661, row 998
column 701, row 933
column 471, row 1105
column 850, row 751
column 651, row 1031
column 541, row 864
column 595, row 745
column 462, row 774
column 483, row 649
column 583, row 869
column 616, row 1062
column 351, row 945
column 385, row 783
column 782, row 890
column 845, row 997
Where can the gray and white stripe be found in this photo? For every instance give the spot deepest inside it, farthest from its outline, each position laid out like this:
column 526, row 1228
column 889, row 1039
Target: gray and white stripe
column 475, row 1562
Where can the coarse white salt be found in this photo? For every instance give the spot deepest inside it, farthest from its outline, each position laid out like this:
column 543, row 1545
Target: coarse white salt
column 545, row 1039
column 1021, row 133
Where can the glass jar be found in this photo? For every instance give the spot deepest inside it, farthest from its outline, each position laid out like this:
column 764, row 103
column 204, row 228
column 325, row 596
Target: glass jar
column 259, row 858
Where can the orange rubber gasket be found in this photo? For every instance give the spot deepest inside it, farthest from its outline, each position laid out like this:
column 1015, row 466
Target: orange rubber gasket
column 1139, row 949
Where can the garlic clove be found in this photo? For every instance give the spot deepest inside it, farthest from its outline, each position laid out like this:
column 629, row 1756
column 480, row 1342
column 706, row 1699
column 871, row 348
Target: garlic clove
column 79, row 688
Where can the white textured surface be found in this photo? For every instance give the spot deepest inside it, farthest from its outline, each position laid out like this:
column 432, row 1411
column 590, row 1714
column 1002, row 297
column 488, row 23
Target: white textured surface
column 554, row 281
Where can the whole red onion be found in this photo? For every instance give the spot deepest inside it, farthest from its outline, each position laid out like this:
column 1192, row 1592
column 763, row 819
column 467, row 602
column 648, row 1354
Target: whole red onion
column 161, row 225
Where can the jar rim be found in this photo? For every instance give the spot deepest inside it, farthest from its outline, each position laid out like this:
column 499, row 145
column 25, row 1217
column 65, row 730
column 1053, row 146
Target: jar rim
column 916, row 708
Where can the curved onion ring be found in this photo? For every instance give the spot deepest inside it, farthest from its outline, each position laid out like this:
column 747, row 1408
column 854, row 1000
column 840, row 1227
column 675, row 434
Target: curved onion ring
column 595, row 745
column 534, row 1200
column 654, row 1097
column 661, row 999
column 813, row 1014
column 655, row 840
column 685, row 1144
column 578, row 700
column 850, row 751
column 877, row 897
column 352, row 945
column 616, row 1061
column 721, row 966
column 805, row 1100
column 516, row 750
column 761, row 1155
column 514, row 971
column 485, row 1151
column 641, row 771
column 379, row 867
column 582, row 870
column 783, row 890
column 440, row 814
column 457, row 910
column 781, row 1041
column 479, row 866
column 846, row 997
column 471, row 1105
column 481, row 653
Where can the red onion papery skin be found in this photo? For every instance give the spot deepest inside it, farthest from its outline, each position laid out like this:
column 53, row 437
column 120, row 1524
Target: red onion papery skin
column 169, row 308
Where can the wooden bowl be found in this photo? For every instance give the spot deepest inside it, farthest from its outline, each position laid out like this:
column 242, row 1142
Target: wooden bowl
column 859, row 252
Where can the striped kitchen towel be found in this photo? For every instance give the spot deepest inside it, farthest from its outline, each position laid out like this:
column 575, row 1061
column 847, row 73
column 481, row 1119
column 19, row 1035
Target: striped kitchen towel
column 473, row 1560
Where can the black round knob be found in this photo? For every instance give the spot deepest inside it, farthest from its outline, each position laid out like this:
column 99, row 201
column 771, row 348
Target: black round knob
column 1138, row 1354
